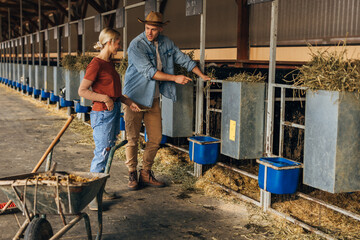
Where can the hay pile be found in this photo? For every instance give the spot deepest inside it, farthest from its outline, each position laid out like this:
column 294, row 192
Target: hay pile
column 176, row 165
column 265, row 226
column 63, row 178
column 68, row 62
column 122, row 66
column 247, row 77
column 228, row 178
column 348, row 201
column 327, row 220
column 76, row 63
column 82, row 62
column 332, row 71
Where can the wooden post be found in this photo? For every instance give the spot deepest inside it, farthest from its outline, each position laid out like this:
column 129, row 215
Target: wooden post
column 243, row 47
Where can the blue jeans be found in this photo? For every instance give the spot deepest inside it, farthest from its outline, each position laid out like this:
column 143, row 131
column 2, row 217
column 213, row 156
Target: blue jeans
column 106, row 127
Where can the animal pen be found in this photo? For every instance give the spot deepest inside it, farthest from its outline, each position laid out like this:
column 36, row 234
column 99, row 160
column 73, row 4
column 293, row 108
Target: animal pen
column 256, row 121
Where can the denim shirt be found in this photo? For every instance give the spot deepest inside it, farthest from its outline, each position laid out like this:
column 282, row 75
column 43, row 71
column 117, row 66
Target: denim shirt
column 139, row 83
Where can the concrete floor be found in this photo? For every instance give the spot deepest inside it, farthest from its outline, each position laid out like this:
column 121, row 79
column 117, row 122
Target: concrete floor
column 25, row 133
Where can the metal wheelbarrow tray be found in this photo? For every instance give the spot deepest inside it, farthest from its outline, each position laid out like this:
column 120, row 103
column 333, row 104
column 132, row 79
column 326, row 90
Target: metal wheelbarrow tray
column 37, row 196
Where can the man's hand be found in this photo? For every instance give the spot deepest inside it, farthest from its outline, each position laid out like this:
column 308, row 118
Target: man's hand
column 205, row 77
column 181, row 79
column 134, row 107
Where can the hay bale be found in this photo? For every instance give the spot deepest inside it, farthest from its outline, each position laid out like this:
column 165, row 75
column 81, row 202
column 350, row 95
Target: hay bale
column 332, row 71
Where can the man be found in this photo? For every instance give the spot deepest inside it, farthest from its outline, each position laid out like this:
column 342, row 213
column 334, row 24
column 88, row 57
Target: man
column 150, row 73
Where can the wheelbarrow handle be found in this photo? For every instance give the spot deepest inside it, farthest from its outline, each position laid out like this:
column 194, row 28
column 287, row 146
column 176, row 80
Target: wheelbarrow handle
column 53, row 143
column 111, row 155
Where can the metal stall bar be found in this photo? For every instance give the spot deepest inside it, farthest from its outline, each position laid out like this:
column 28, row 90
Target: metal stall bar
column 330, row 206
column 200, row 85
column 265, row 197
column 40, row 48
column 47, row 39
column 200, row 82
column 32, row 50
column 21, row 79
column 58, row 50
column 10, row 50
column 26, row 49
column 9, row 41
column 18, row 58
column 69, row 44
column 83, row 115
column 283, row 123
column 125, row 29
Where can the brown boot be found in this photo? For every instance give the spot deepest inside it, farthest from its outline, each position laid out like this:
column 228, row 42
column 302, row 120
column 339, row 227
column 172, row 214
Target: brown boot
column 133, row 181
column 147, row 178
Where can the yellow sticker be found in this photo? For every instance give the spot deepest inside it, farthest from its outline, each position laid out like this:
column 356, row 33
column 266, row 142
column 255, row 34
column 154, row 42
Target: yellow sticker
column 232, row 130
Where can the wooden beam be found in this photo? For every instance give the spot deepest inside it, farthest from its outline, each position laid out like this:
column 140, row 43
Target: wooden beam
column 48, row 19
column 243, row 48
column 32, row 23
column 96, row 6
column 112, row 16
column 84, row 10
column 59, row 6
column 163, row 6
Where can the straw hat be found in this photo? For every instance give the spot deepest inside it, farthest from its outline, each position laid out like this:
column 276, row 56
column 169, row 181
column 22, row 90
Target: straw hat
column 154, row 18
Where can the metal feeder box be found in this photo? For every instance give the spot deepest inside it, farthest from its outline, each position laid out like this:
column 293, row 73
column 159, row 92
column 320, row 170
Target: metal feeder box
column 11, row 74
column 242, row 120
column 278, row 175
column 177, row 117
column 48, row 78
column 15, row 72
column 39, row 77
column 332, row 141
column 71, row 85
column 203, row 149
column 25, row 74
column 19, row 73
column 83, row 101
column 31, row 76
column 59, row 80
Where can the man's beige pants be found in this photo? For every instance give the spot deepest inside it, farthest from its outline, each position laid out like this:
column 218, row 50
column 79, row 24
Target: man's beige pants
column 152, row 121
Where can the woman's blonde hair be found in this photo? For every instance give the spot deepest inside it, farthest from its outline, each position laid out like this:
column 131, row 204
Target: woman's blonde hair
column 106, row 35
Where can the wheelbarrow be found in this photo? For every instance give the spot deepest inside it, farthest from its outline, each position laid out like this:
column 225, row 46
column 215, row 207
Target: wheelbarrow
column 37, row 196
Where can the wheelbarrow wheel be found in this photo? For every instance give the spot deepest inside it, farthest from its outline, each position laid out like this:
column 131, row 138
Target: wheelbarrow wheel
column 38, row 229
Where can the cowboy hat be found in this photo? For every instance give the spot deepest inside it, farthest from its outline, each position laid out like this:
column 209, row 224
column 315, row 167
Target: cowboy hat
column 154, row 18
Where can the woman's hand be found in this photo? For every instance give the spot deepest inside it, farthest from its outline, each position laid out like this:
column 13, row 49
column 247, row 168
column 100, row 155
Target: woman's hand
column 109, row 103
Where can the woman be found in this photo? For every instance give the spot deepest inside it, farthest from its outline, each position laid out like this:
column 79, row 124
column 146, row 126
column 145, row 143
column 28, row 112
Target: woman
column 106, row 95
